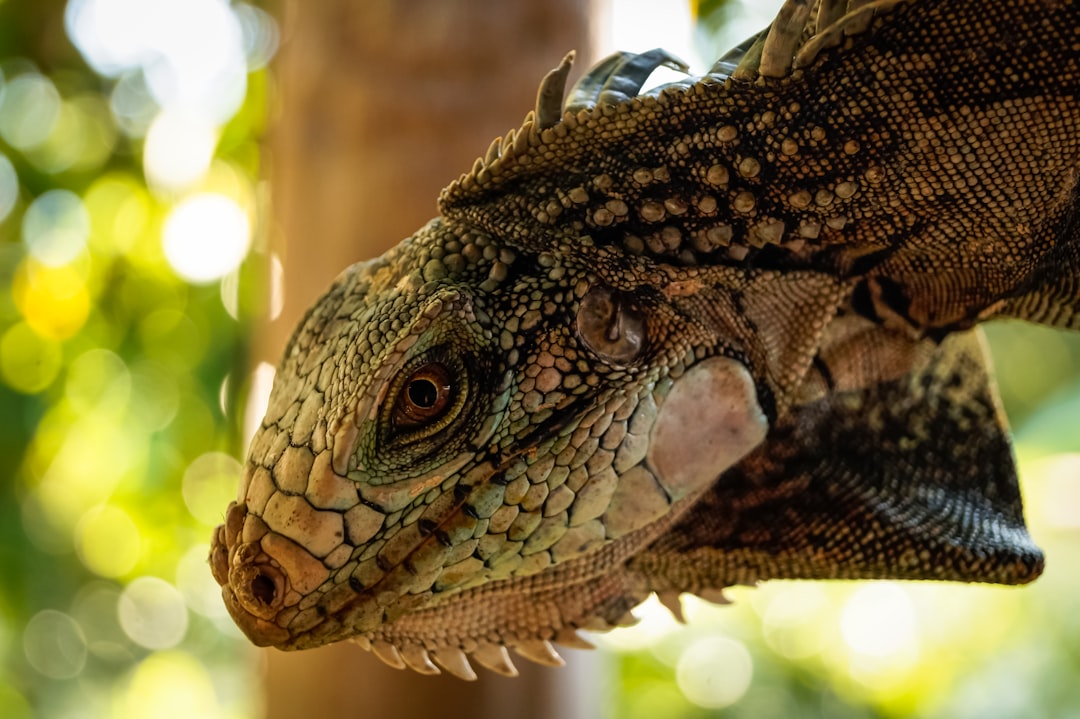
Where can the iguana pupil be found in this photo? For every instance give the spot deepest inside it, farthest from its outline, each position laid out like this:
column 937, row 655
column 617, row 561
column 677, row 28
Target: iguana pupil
column 426, row 396
column 423, row 393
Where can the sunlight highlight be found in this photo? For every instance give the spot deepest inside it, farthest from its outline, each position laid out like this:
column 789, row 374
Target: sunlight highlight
column 178, row 150
column 206, row 237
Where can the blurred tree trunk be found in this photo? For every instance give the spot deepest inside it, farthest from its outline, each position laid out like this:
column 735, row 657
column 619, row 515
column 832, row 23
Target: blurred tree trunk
column 382, row 104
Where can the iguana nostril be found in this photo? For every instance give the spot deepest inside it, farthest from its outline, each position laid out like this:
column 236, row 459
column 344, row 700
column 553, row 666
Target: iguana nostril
column 263, row 589
column 259, row 587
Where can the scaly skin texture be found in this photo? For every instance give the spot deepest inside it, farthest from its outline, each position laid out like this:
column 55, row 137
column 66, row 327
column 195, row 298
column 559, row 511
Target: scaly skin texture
column 717, row 334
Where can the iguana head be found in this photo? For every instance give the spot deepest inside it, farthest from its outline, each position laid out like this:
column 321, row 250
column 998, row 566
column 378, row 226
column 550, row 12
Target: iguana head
column 466, row 437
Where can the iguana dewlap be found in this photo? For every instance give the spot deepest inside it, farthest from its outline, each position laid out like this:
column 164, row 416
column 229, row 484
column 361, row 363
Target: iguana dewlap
column 714, row 334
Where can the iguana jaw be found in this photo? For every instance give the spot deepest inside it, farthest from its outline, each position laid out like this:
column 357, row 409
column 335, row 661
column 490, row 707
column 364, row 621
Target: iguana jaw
column 527, row 615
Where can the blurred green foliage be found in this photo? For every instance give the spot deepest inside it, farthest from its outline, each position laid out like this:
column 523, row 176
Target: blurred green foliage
column 120, row 376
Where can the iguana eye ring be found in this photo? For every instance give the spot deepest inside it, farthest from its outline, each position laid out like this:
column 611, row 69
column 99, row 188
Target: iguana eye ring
column 425, row 396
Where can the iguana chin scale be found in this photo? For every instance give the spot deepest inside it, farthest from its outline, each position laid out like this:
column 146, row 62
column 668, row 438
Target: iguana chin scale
column 669, row 342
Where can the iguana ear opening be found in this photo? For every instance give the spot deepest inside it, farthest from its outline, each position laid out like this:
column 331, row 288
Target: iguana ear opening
column 907, row 479
column 611, row 326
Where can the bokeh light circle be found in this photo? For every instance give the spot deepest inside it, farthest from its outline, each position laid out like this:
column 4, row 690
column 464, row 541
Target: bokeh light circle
column 260, row 34
column 99, row 382
column 178, row 150
column 28, row 111
column 54, row 644
column 13, row 705
column 94, row 608
column 107, row 541
column 258, row 399
column 791, row 622
column 209, row 485
column 206, row 237
column 191, row 53
column 132, row 106
column 54, row 300
column 714, row 672
column 170, row 685
column 152, row 613
column 9, row 187
column 56, row 227
column 878, row 620
column 28, row 362
column 197, row 585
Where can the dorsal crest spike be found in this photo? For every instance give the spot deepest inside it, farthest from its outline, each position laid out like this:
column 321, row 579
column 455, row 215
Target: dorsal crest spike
column 857, row 18
column 783, row 38
column 549, row 97
column 492, row 153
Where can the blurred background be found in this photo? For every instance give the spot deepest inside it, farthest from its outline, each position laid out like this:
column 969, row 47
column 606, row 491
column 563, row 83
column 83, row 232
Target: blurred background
column 170, row 202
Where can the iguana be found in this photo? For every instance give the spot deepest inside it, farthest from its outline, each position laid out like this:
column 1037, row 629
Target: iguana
column 668, row 342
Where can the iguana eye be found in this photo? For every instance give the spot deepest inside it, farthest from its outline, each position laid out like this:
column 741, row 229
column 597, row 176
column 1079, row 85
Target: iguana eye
column 425, row 396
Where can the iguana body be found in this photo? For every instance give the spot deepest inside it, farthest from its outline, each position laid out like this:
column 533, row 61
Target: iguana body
column 674, row 342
